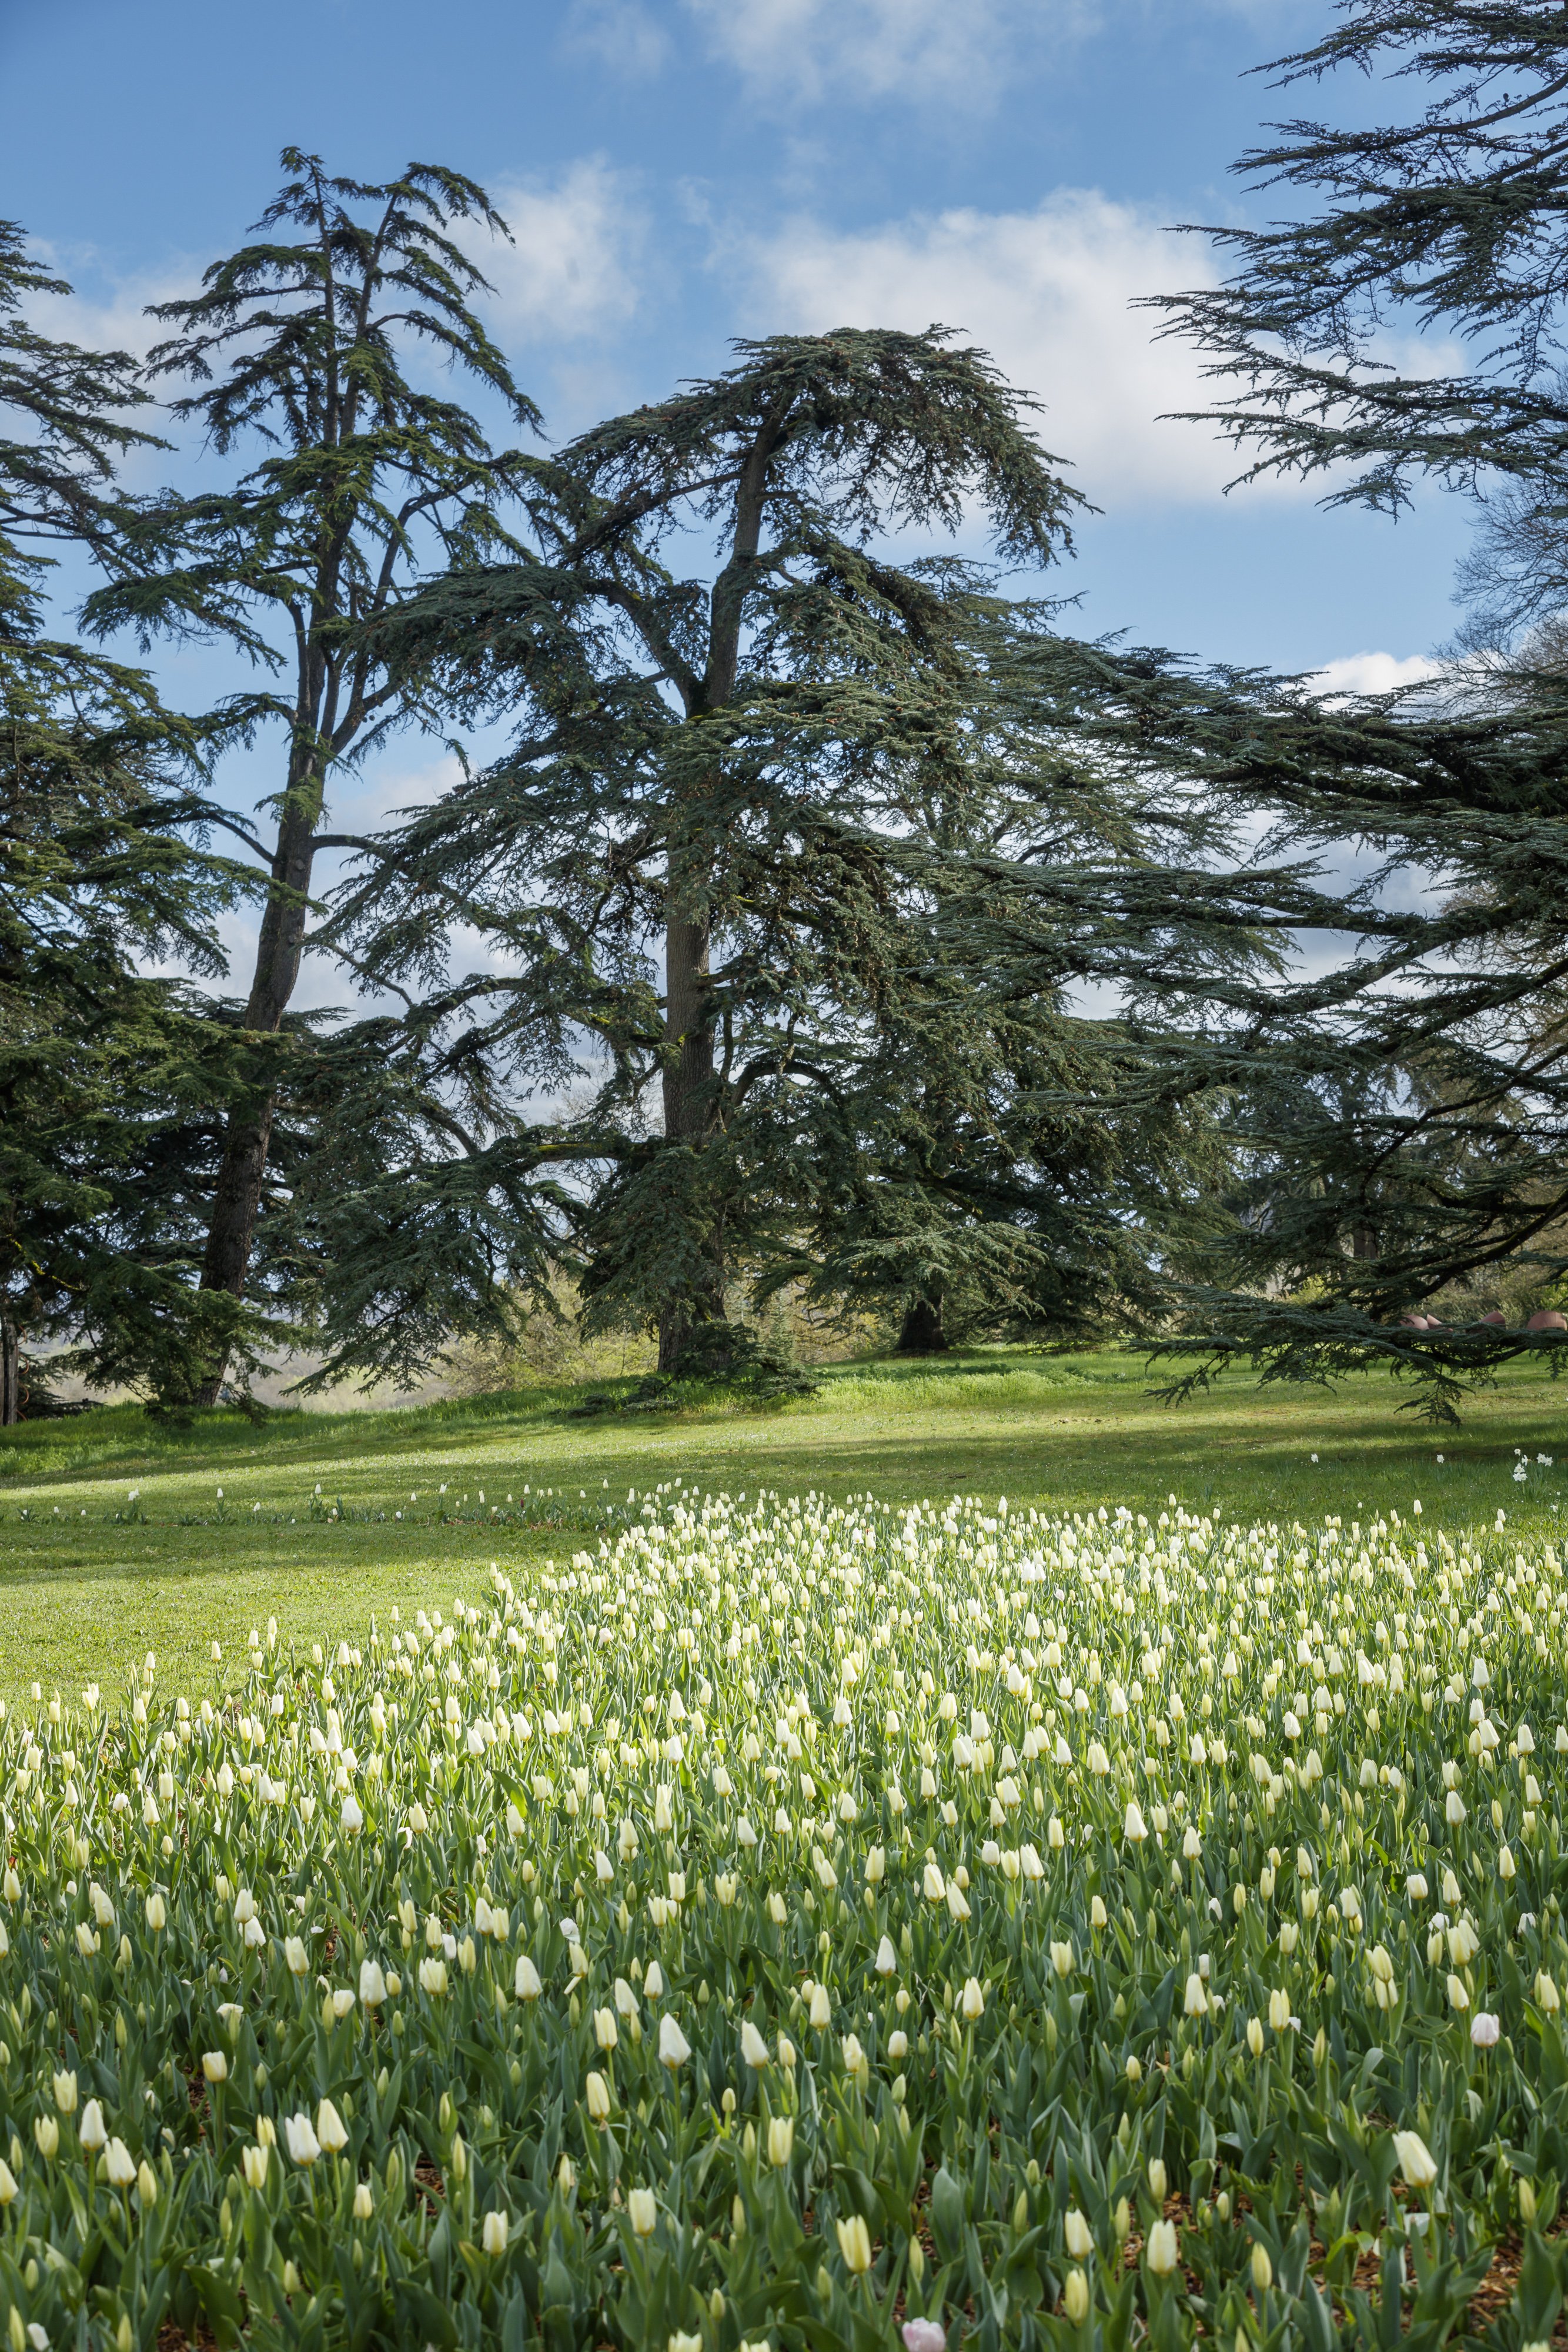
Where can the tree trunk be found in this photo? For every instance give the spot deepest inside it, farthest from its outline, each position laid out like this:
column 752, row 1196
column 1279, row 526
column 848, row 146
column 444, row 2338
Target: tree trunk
column 690, row 1105
column 237, row 1195
column 921, row 1333
column 688, row 1108
column 10, row 1374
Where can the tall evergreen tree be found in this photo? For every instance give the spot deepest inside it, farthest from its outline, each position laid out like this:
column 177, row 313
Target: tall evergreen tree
column 106, row 1073
column 1400, row 1112
column 301, row 344
column 98, row 784
column 770, row 861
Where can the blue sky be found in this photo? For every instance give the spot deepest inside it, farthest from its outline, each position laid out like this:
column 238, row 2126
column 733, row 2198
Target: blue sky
column 677, row 172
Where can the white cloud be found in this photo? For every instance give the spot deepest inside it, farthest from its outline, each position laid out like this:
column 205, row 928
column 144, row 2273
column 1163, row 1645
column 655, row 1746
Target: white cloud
column 118, row 320
column 1050, row 294
column 621, row 34
column 947, row 49
column 946, row 52
column 573, row 268
column 1375, row 673
column 573, row 271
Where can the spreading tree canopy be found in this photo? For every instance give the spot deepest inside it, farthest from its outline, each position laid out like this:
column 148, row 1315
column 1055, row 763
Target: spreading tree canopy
column 107, row 1072
column 98, row 783
column 1394, row 1120
column 65, row 423
column 1398, row 1114
column 786, row 882
column 1448, row 221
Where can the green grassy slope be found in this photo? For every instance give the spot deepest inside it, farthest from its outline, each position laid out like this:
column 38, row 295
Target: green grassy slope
column 89, row 1578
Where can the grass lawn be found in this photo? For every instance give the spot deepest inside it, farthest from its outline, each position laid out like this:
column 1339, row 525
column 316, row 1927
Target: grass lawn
column 90, row 1580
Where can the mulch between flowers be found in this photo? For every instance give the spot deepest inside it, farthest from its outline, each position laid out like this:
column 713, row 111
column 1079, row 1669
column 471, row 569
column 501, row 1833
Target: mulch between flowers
column 172, row 2337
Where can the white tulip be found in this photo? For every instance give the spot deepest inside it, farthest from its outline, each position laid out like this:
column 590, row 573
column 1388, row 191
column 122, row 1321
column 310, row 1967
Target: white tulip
column 673, row 2047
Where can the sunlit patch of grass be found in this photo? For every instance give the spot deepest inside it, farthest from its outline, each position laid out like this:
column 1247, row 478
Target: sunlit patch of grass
column 86, row 1578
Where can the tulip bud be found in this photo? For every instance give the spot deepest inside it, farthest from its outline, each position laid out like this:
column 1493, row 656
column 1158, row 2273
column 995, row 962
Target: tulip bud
column 854, row 2244
column 642, row 2211
column 673, row 2047
column 1160, row 2252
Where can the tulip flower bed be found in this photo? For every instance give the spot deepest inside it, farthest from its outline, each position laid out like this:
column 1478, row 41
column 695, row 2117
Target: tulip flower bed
column 803, row 1924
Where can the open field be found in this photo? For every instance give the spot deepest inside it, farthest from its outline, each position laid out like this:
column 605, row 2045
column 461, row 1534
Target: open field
column 90, row 1579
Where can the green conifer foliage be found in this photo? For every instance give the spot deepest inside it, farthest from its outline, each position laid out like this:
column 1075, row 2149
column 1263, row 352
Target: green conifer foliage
column 790, row 873
column 299, row 345
column 1446, row 220
column 98, row 782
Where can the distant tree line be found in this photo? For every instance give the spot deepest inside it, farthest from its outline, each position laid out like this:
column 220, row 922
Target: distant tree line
column 848, row 929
